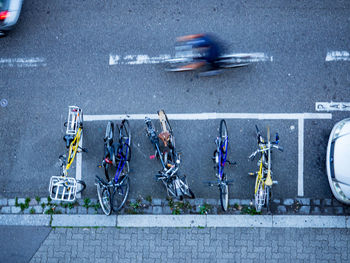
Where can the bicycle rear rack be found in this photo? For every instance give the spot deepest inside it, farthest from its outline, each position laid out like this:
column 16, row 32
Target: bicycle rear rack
column 74, row 119
column 63, row 188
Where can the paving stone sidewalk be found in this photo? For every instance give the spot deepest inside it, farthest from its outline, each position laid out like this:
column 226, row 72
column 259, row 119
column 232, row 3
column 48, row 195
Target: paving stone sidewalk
column 195, row 245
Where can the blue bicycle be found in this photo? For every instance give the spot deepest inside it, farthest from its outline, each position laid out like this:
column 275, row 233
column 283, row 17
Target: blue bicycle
column 220, row 159
column 113, row 193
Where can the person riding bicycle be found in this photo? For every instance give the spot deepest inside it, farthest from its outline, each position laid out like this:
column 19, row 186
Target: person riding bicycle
column 206, row 46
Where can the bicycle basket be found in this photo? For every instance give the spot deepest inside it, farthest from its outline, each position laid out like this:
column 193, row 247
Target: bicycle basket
column 63, row 188
column 74, row 120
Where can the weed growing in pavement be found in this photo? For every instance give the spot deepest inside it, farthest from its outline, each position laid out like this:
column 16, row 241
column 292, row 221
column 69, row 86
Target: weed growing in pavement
column 204, row 209
column 32, row 211
column 148, row 199
column 87, row 202
column 43, row 205
column 37, row 198
column 16, row 202
column 249, row 210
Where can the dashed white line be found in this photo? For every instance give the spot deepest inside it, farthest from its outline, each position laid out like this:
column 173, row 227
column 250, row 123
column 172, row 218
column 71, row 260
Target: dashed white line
column 115, row 59
column 22, row 62
column 338, row 56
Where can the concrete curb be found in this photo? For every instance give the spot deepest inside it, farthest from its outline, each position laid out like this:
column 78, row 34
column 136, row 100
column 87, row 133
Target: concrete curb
column 25, row 220
column 278, row 221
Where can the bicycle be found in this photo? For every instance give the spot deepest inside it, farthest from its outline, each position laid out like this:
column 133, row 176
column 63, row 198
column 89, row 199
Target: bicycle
column 185, row 55
column 264, row 181
column 175, row 185
column 113, row 193
column 62, row 187
column 220, row 159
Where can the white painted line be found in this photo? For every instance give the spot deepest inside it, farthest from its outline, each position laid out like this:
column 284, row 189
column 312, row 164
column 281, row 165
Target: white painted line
column 300, row 157
column 212, row 116
column 332, row 106
column 79, row 164
column 161, row 220
column 22, row 62
column 338, row 56
column 25, row 220
column 239, row 221
column 83, row 220
column 300, row 221
column 115, row 59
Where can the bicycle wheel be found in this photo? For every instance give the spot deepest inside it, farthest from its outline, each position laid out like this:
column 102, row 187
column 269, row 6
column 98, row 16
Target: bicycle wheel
column 109, row 133
column 268, row 196
column 223, row 135
column 80, row 186
column 125, row 137
column 120, row 194
column 259, row 196
column 185, row 189
column 224, row 196
column 104, row 198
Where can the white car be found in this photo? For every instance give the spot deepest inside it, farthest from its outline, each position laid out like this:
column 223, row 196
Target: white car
column 338, row 161
column 9, row 14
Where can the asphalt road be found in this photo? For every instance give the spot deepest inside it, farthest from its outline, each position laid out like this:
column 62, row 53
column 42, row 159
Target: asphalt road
column 75, row 40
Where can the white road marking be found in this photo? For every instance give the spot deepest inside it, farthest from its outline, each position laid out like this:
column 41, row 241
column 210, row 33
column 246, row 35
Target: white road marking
column 22, row 62
column 301, row 157
column 115, row 59
column 213, row 116
column 332, row 106
column 338, row 56
column 79, row 164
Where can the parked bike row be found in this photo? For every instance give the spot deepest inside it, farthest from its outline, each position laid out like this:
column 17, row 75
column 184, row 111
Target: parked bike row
column 113, row 190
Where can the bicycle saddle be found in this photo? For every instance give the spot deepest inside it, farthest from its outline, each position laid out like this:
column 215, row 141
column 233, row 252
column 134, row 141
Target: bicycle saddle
column 164, row 136
column 68, row 139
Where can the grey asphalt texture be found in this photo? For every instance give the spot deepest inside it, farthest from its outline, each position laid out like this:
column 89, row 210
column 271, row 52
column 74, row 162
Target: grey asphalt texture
column 20, row 243
column 76, row 39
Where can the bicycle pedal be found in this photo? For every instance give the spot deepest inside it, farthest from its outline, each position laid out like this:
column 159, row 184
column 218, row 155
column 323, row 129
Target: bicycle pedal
column 251, row 173
column 152, row 157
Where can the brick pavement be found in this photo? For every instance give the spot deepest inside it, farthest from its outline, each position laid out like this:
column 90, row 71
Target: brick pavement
column 195, row 245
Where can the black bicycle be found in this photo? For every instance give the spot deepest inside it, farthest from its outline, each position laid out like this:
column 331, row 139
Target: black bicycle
column 220, row 159
column 113, row 193
column 175, row 185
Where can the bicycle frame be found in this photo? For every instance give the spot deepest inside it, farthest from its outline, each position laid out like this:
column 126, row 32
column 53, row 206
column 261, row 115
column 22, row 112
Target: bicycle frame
column 73, row 148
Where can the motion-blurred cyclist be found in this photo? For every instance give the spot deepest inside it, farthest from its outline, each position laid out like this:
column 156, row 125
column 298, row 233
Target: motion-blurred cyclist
column 207, row 49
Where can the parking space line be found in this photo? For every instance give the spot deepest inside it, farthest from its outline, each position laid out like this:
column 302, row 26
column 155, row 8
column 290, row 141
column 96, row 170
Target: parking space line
column 301, row 157
column 338, row 56
column 213, row 116
column 115, row 59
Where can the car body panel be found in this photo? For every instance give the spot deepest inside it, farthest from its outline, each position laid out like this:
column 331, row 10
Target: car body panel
column 14, row 8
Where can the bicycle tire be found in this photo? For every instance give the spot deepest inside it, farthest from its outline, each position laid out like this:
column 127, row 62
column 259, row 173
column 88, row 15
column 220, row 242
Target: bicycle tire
column 224, row 134
column 109, row 134
column 116, row 204
column 104, row 198
column 258, row 206
column 224, row 196
column 82, row 186
column 186, row 190
column 267, row 202
column 125, row 135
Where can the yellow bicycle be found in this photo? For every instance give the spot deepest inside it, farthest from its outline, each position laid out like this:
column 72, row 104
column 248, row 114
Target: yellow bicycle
column 264, row 181
column 62, row 187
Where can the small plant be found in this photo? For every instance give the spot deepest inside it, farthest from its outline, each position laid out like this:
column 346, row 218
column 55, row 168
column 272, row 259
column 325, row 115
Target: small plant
column 37, row 198
column 43, row 205
column 249, row 210
column 27, row 201
column 176, row 211
column 135, row 205
column 204, row 209
column 16, row 202
column 50, row 211
column 170, row 202
column 86, row 202
column 148, row 198
column 32, row 211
